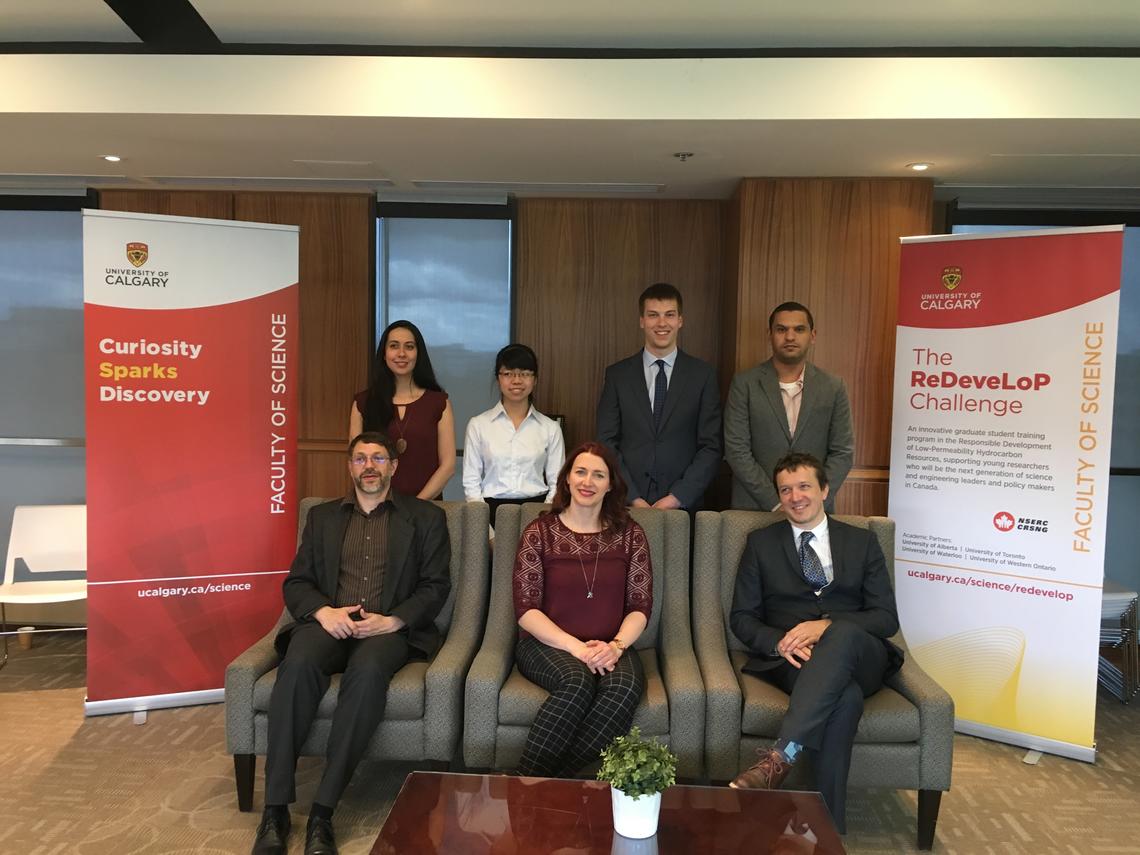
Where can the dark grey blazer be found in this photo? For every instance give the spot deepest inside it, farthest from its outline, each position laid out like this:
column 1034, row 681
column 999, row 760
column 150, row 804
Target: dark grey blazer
column 756, row 433
column 772, row 596
column 416, row 582
column 683, row 456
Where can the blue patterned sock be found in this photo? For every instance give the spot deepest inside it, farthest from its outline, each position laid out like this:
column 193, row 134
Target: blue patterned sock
column 789, row 749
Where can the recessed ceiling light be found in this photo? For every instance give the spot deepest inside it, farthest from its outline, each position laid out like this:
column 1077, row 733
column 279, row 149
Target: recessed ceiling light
column 919, row 167
column 111, row 158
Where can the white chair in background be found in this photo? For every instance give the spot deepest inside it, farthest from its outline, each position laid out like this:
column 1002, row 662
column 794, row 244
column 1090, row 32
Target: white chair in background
column 47, row 559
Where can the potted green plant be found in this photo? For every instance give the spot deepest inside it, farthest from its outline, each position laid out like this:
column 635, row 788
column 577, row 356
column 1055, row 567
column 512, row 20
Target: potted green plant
column 638, row 771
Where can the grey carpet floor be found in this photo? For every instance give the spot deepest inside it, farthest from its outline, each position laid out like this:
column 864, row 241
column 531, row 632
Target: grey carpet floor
column 106, row 785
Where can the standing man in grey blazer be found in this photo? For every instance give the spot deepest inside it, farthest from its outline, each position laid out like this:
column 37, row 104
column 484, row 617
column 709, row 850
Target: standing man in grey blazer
column 660, row 412
column 782, row 405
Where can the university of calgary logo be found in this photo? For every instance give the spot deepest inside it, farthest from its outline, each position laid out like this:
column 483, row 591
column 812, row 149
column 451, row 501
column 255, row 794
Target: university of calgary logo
column 137, row 253
column 951, row 277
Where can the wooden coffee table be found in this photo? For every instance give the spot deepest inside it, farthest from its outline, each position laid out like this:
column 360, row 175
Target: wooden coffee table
column 442, row 812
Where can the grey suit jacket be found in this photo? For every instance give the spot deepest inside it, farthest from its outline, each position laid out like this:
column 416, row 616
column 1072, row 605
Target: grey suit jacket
column 756, row 433
column 683, row 456
column 416, row 581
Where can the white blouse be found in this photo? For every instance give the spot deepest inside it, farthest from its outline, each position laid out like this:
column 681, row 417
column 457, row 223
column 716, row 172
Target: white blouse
column 501, row 461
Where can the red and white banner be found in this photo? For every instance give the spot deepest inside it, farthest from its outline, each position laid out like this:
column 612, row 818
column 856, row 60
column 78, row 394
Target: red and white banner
column 190, row 337
column 1004, row 368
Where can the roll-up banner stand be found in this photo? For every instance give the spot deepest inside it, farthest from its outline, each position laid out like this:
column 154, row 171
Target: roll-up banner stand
column 190, row 341
column 1004, row 369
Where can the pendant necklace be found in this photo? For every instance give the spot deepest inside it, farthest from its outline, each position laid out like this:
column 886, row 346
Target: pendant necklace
column 590, row 583
column 401, row 443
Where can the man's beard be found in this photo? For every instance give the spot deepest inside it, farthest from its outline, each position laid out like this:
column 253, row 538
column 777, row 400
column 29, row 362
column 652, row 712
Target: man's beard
column 381, row 483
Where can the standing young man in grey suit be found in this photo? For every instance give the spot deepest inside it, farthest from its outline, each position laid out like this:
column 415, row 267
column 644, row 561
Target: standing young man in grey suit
column 782, row 405
column 369, row 579
column 815, row 607
column 660, row 412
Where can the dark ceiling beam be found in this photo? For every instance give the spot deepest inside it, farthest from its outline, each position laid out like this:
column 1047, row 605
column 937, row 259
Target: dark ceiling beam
column 166, row 25
column 217, row 48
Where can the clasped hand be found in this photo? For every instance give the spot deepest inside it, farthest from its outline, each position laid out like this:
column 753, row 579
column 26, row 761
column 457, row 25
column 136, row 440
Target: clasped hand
column 797, row 643
column 338, row 622
column 599, row 656
column 665, row 503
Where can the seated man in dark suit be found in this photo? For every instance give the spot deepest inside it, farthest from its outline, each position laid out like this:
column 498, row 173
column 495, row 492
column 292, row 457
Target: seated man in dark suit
column 815, row 607
column 371, row 575
column 660, row 412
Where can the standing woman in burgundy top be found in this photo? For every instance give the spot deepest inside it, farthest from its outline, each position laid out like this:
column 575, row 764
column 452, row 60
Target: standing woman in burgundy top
column 583, row 591
column 406, row 403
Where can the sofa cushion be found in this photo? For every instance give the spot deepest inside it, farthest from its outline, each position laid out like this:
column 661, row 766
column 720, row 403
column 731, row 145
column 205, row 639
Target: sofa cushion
column 520, row 699
column 405, row 694
column 887, row 715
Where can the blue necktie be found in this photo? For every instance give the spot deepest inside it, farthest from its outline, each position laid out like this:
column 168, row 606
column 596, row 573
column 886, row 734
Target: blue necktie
column 660, row 387
column 810, row 564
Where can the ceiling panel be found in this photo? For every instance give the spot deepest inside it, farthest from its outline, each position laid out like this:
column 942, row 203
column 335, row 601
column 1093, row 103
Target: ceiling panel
column 395, row 152
column 61, row 21
column 678, row 23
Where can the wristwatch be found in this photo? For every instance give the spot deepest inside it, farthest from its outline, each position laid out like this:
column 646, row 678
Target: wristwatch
column 619, row 643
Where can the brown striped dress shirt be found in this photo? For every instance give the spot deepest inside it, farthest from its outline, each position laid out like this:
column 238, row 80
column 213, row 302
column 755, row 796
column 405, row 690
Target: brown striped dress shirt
column 363, row 556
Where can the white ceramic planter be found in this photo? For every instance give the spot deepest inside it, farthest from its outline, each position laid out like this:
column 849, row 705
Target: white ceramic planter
column 635, row 818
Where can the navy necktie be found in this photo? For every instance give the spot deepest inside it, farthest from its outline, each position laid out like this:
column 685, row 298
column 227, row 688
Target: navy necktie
column 660, row 387
column 810, row 564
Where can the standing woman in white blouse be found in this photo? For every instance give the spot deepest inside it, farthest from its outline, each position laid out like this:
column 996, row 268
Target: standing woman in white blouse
column 512, row 453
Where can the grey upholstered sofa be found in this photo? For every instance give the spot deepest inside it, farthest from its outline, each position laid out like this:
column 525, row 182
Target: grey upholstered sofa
column 905, row 738
column 501, row 703
column 424, row 716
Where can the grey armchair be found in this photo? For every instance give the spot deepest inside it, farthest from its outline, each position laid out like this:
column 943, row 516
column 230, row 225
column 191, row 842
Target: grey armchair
column 424, row 715
column 501, row 704
column 906, row 735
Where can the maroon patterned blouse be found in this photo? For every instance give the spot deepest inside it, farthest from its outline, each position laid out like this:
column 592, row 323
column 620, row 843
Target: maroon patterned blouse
column 554, row 573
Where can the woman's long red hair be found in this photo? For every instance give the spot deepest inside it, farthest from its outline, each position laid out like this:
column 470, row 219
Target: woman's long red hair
column 614, row 513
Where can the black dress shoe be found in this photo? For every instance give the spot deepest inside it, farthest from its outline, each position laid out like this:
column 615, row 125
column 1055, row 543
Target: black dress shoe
column 319, row 838
column 273, row 833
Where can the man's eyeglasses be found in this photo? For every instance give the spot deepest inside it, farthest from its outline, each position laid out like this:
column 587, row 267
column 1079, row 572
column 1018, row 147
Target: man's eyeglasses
column 376, row 459
column 517, row 375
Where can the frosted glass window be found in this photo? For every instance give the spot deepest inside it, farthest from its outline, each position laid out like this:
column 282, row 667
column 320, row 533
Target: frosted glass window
column 452, row 279
column 41, row 324
column 41, row 362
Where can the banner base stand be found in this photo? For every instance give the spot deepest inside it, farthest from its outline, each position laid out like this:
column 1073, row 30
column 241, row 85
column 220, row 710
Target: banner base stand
column 153, row 702
column 1026, row 740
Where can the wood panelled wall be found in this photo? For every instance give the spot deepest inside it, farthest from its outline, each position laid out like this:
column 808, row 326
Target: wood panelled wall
column 336, row 244
column 831, row 244
column 581, row 265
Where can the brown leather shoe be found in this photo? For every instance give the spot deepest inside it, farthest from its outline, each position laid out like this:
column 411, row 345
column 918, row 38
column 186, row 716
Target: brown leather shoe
column 766, row 774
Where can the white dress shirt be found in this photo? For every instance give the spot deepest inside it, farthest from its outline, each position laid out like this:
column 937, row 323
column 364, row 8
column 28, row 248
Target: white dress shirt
column 791, row 393
column 501, row 461
column 648, row 360
column 821, row 543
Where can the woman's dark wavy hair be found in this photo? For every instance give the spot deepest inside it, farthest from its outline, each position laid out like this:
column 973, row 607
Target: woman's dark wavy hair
column 378, row 409
column 615, row 514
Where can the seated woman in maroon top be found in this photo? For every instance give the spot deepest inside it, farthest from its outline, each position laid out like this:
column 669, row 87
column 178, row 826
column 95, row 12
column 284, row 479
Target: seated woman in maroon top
column 406, row 403
column 583, row 592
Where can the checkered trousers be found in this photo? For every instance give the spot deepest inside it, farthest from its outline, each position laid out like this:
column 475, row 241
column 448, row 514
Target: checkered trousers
column 584, row 712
